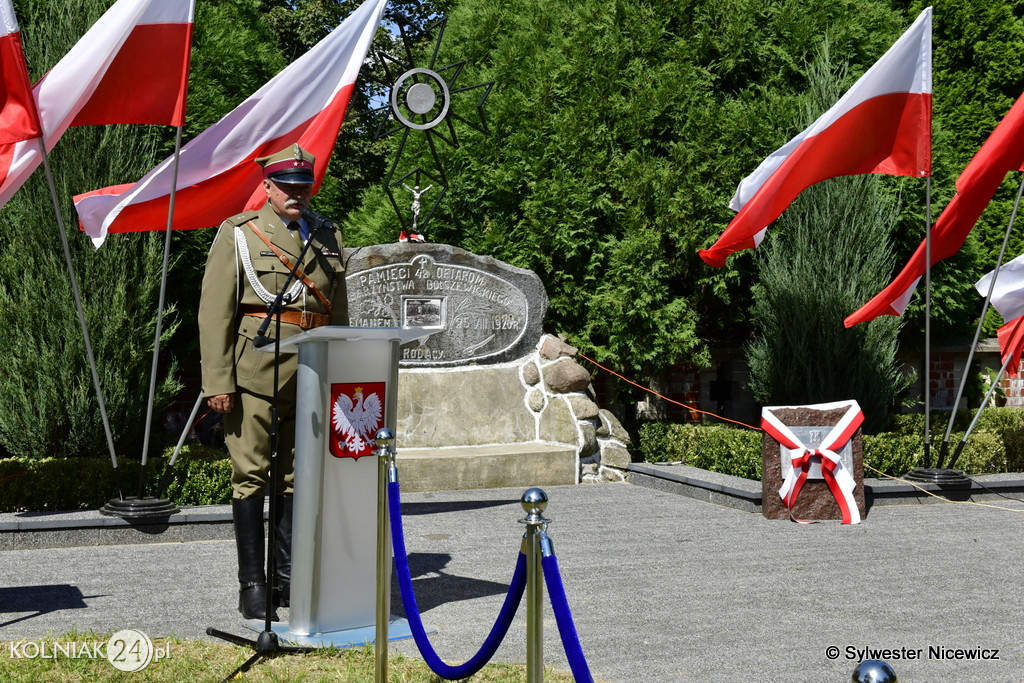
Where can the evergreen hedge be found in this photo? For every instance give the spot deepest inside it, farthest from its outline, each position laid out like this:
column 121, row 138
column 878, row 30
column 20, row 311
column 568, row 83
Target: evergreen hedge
column 996, row 445
column 201, row 476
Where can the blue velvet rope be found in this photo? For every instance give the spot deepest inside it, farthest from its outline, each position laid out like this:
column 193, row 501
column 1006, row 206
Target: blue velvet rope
column 412, row 612
column 563, row 617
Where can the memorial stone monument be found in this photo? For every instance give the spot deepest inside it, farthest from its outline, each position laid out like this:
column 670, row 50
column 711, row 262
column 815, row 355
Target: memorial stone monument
column 488, row 399
column 812, row 426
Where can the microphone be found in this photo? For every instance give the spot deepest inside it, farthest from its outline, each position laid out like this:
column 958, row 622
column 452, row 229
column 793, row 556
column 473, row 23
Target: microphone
column 316, row 219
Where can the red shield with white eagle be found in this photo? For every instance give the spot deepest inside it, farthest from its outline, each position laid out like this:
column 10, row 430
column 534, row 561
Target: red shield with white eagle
column 357, row 412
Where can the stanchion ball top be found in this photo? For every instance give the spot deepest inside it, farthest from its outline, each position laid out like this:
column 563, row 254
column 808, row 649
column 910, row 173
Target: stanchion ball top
column 384, row 434
column 873, row 671
column 534, row 501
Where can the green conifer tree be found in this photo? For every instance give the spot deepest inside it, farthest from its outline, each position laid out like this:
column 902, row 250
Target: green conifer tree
column 48, row 406
column 822, row 259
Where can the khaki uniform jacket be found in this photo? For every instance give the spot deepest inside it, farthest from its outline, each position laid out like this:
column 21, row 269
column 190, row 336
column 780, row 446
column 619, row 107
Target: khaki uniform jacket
column 225, row 333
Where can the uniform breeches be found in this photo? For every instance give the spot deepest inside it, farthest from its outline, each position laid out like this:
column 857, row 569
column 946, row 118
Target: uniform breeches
column 247, row 435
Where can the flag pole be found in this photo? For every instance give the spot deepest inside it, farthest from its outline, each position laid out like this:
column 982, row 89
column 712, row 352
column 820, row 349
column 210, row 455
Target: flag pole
column 159, row 504
column 81, row 314
column 928, row 474
column 926, row 383
column 977, row 415
column 977, row 337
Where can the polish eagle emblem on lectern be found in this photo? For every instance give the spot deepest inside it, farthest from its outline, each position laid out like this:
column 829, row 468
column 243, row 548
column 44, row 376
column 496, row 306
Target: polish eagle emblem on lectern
column 357, row 412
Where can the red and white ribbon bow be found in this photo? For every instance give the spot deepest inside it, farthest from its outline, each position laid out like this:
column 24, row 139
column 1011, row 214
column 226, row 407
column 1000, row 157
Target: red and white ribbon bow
column 837, row 476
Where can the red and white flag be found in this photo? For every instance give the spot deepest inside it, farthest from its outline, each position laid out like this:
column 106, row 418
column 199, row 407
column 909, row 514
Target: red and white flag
column 1002, row 152
column 130, row 67
column 881, row 125
column 1011, row 344
column 305, row 103
column 18, row 117
column 1008, row 299
column 1008, row 292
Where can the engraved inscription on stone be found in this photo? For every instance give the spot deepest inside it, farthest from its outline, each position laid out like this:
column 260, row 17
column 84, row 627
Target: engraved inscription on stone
column 811, row 437
column 477, row 314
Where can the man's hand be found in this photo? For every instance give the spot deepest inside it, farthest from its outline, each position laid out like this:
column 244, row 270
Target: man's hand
column 222, row 403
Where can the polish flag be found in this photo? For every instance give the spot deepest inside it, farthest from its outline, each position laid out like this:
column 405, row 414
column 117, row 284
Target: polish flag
column 1011, row 344
column 1008, row 293
column 130, row 67
column 881, row 125
column 18, row 117
column 1008, row 299
column 217, row 177
column 1002, row 152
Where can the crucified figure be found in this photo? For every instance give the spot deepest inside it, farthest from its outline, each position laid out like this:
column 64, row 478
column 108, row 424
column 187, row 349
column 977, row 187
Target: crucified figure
column 414, row 235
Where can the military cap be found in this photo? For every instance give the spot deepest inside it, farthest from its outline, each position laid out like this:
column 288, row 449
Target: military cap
column 291, row 165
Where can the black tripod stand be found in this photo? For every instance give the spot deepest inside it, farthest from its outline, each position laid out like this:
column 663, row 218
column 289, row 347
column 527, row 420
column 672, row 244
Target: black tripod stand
column 267, row 643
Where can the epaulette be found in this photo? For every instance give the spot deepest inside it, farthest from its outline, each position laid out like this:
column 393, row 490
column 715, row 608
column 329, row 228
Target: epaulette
column 240, row 219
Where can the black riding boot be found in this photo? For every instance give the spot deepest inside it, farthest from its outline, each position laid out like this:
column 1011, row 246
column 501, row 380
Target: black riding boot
column 283, row 552
column 250, row 540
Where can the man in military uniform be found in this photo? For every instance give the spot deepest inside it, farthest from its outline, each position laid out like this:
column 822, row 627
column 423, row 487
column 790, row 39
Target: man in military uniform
column 248, row 264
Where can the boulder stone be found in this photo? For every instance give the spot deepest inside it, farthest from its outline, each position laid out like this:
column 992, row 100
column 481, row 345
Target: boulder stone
column 614, row 454
column 612, row 428
column 582, row 407
column 536, row 400
column 588, row 446
column 531, row 373
column 552, row 348
column 566, row 376
column 613, row 475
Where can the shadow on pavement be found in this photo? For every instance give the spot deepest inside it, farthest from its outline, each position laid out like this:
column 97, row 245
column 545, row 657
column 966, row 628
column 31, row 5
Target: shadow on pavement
column 433, row 587
column 39, row 600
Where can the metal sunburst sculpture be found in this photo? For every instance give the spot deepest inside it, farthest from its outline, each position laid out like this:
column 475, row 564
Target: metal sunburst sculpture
column 420, row 100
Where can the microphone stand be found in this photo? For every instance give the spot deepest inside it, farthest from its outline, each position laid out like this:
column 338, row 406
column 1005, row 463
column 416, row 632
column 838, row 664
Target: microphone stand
column 267, row 642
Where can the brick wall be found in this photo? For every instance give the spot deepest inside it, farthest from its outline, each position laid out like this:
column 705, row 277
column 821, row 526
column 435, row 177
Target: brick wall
column 946, row 371
column 1013, row 389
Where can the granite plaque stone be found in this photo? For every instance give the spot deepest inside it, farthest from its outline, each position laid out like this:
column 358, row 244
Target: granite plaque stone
column 483, row 310
column 815, row 501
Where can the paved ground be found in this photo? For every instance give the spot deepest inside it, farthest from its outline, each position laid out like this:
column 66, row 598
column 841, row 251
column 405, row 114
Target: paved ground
column 662, row 587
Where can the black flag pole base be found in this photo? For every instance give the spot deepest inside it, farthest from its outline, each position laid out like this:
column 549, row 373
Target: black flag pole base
column 938, row 475
column 139, row 508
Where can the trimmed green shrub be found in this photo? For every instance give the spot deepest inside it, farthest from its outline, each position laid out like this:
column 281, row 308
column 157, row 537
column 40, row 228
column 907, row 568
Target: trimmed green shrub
column 892, row 454
column 897, row 454
column 201, row 476
column 729, row 450
column 1005, row 422
column 720, row 449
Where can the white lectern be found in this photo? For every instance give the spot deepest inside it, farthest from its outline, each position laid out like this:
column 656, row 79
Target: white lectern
column 347, row 389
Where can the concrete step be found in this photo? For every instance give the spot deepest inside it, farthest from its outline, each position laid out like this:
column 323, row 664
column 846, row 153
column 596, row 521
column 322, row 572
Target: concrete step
column 486, row 467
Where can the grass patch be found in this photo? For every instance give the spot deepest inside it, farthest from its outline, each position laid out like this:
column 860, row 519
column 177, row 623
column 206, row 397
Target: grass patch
column 200, row 660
